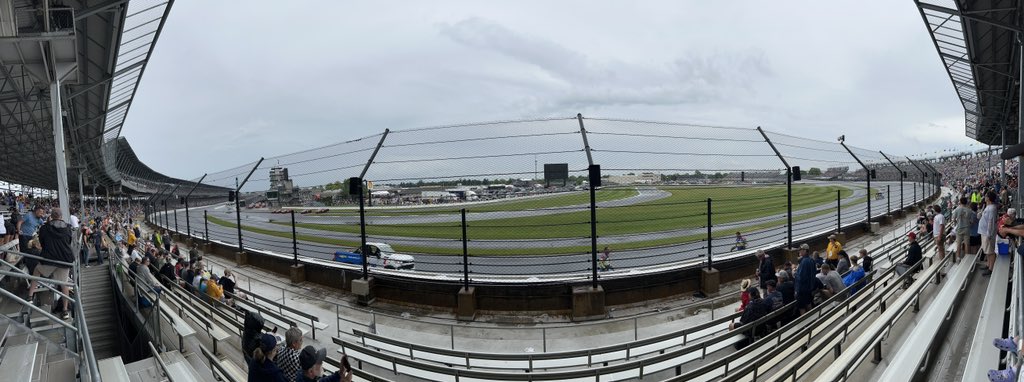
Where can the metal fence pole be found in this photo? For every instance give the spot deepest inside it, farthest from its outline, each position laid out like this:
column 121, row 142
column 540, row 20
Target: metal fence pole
column 465, row 253
column 901, row 175
column 888, row 199
column 839, row 211
column 295, row 241
column 709, row 234
column 789, row 189
column 362, row 229
column 867, row 176
column 593, row 233
column 188, row 223
column 175, row 221
column 238, row 201
column 206, row 226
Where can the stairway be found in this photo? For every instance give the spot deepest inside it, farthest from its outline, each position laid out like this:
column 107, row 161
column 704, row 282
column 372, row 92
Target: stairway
column 98, row 302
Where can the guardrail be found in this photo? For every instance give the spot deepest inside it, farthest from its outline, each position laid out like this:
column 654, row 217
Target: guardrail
column 163, row 220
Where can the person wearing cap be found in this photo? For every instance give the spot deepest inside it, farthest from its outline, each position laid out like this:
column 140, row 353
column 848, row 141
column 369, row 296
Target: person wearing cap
column 805, row 280
column 913, row 255
column 262, row 368
column 832, row 251
column 311, row 361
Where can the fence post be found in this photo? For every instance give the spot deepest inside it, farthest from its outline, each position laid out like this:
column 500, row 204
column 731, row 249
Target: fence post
column 175, row 221
column 206, row 226
column 888, row 199
column 188, row 220
column 789, row 189
column 594, row 175
column 166, row 223
column 867, row 176
column 922, row 180
column 839, row 211
column 238, row 202
column 295, row 241
column 465, row 253
column 709, row 233
column 362, row 203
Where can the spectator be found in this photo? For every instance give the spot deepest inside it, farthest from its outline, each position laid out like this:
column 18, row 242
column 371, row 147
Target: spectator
column 132, row 238
column 311, row 361
column 765, row 269
column 818, row 260
column 938, row 231
column 288, row 352
column 785, row 287
column 167, row 241
column 55, row 239
column 866, row 261
column 788, row 268
column 744, row 296
column 805, row 280
column 773, row 295
column 975, row 240
column 844, row 263
column 913, row 256
column 851, row 280
column 28, row 226
column 741, row 243
column 213, row 289
column 832, row 280
column 262, row 367
column 147, row 276
column 167, row 271
column 832, row 251
column 963, row 218
column 987, row 229
column 228, row 283
column 758, row 309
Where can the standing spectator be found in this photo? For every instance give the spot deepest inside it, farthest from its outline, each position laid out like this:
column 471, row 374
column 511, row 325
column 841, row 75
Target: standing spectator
column 938, row 230
column 167, row 241
column 55, row 238
column 987, row 229
column 765, row 269
column 832, row 251
column 288, row 354
column 28, row 226
column 805, row 280
column 975, row 241
column 963, row 218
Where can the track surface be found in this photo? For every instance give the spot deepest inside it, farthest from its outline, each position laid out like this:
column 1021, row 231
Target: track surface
column 541, row 265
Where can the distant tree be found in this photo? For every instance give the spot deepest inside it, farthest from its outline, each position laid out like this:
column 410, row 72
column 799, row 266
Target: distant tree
column 814, row 171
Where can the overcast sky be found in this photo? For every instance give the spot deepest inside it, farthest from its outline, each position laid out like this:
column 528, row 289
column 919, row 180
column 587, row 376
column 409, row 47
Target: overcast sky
column 229, row 82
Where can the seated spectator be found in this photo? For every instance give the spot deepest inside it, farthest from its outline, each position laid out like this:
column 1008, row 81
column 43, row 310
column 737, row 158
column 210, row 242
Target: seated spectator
column 262, row 366
column 843, row 265
column 744, row 296
column 854, row 276
column 288, row 352
column 757, row 309
column 913, row 256
column 311, row 361
column 832, row 280
column 167, row 271
column 213, row 289
column 773, row 295
column 228, row 283
column 866, row 261
column 818, row 260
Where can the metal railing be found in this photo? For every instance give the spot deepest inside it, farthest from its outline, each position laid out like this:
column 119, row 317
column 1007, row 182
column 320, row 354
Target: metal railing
column 78, row 328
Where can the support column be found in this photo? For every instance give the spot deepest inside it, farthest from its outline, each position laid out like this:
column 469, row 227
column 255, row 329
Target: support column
column 59, row 149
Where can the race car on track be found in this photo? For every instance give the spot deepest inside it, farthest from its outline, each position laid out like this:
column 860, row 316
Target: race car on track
column 379, row 255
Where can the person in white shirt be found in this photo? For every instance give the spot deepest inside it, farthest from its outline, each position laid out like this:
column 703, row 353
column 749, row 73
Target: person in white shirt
column 938, row 227
column 74, row 221
column 987, row 230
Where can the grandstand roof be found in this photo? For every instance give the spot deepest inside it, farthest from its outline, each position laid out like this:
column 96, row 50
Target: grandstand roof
column 977, row 43
column 100, row 50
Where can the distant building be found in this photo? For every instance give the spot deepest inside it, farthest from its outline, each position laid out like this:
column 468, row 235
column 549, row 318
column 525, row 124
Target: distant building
column 642, row 178
column 281, row 187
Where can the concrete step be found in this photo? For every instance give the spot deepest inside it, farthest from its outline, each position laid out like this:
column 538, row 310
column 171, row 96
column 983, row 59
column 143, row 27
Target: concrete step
column 59, row 371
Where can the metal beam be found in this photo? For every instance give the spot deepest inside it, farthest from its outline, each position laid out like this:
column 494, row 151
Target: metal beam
column 86, row 12
column 971, row 16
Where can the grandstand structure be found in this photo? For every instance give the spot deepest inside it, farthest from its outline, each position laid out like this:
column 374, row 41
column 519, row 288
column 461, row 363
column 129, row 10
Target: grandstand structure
column 71, row 69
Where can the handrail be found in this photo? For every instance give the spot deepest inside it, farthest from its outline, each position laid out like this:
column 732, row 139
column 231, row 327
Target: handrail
column 160, row 362
column 215, row 363
column 280, row 306
column 876, row 337
column 80, row 321
column 639, row 364
column 888, row 249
